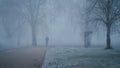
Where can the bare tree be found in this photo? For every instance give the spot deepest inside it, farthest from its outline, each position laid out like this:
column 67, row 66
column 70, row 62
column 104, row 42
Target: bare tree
column 9, row 14
column 11, row 19
column 32, row 8
column 107, row 12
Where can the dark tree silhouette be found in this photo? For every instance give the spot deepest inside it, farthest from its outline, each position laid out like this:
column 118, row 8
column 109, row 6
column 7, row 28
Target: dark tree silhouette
column 107, row 12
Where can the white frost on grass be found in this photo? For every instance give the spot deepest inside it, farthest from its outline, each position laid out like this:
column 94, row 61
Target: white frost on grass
column 58, row 57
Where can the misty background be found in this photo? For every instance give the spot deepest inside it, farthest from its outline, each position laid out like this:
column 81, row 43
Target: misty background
column 62, row 21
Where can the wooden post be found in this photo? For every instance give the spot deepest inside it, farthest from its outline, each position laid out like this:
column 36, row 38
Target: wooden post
column 87, row 38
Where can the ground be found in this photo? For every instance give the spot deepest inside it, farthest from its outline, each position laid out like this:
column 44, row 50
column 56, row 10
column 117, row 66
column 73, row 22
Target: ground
column 60, row 57
column 76, row 57
column 30, row 57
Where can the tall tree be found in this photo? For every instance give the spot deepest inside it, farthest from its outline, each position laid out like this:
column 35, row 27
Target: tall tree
column 10, row 19
column 107, row 12
column 9, row 14
column 32, row 8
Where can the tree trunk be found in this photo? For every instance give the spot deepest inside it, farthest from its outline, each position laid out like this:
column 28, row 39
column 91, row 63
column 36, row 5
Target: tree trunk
column 108, row 40
column 34, row 39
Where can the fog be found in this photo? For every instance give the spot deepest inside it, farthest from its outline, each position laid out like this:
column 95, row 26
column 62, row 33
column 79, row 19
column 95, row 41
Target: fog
column 62, row 21
column 59, row 33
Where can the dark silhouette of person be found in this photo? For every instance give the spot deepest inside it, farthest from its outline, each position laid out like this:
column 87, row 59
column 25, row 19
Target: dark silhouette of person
column 47, row 40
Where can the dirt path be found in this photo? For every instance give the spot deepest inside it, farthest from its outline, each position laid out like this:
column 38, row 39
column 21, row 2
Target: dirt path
column 31, row 57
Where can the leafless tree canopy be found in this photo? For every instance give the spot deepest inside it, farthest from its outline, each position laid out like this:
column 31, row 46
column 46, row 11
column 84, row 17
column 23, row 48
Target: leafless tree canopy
column 107, row 12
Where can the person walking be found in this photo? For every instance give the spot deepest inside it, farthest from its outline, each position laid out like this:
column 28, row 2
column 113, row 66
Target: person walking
column 47, row 40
